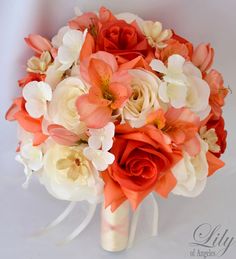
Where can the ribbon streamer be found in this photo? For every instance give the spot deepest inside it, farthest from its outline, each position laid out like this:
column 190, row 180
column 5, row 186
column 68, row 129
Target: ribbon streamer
column 82, row 225
column 133, row 227
column 59, row 219
column 135, row 218
column 155, row 216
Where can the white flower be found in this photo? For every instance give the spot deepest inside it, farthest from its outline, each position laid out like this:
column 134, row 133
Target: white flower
column 36, row 95
column 68, row 175
column 183, row 85
column 32, row 159
column 100, row 159
column 57, row 40
column 53, row 74
column 129, row 17
column 69, row 51
column 155, row 35
column 102, row 138
column 191, row 173
column 210, row 137
column 62, row 108
column 144, row 97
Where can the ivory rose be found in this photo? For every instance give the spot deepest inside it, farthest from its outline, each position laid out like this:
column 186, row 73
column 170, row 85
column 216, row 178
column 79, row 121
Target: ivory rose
column 62, row 108
column 191, row 173
column 144, row 97
column 68, row 175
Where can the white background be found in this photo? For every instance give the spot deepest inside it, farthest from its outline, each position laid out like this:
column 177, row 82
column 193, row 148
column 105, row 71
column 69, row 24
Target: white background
column 24, row 212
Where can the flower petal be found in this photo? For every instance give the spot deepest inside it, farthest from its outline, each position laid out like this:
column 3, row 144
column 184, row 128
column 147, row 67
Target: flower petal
column 92, row 115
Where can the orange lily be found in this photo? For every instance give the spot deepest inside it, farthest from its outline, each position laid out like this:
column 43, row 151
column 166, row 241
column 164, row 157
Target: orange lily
column 109, row 90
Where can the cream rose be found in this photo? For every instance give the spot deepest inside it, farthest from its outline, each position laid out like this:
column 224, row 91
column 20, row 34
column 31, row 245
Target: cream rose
column 62, row 109
column 144, row 98
column 68, row 175
column 191, row 173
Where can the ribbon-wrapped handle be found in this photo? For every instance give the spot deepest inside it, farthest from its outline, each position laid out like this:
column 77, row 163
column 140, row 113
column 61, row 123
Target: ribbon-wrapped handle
column 115, row 228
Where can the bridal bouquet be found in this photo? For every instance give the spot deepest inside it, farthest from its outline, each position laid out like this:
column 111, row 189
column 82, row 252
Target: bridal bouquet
column 115, row 108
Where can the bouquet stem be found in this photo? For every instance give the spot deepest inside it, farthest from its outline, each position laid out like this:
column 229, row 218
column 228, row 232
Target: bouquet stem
column 115, row 228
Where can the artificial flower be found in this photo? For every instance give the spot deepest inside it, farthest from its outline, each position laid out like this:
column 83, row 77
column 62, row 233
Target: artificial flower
column 39, row 64
column 142, row 165
column 218, row 92
column 54, row 75
column 37, row 94
column 101, row 159
column 191, row 173
column 218, row 126
column 18, row 112
column 210, row 137
column 144, row 97
column 102, row 138
column 175, row 45
column 31, row 77
column 31, row 157
column 180, row 126
column 183, row 85
column 155, row 35
column 85, row 21
column 62, row 108
column 68, row 175
column 174, row 88
column 57, row 40
column 69, row 51
column 203, row 56
column 109, row 91
column 122, row 40
column 38, row 43
column 63, row 136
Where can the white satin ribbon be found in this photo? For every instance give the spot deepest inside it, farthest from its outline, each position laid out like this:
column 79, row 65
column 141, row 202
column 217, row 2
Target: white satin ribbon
column 58, row 220
column 155, row 216
column 82, row 225
column 133, row 227
column 135, row 218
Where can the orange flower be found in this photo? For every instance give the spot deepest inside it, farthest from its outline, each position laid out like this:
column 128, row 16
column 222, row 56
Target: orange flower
column 18, row 112
column 218, row 92
column 142, row 165
column 175, row 45
column 109, row 90
column 180, row 125
column 31, row 77
column 122, row 40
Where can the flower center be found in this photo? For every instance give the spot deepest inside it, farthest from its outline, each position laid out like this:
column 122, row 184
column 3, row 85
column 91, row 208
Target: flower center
column 210, row 137
column 75, row 167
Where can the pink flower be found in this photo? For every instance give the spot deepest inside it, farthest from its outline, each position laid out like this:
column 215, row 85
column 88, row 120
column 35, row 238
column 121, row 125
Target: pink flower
column 110, row 89
column 203, row 56
column 62, row 136
column 38, row 43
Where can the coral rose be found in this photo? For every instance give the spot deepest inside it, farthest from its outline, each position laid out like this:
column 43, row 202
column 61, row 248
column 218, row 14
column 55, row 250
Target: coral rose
column 142, row 164
column 122, row 40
